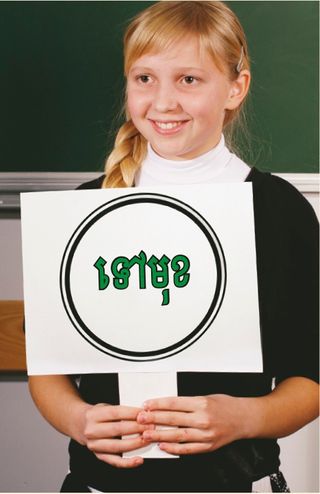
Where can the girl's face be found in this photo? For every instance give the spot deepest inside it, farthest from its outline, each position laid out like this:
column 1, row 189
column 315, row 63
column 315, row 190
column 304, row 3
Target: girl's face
column 177, row 100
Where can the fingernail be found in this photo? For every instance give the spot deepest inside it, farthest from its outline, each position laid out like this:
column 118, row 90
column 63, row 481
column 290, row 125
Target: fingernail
column 142, row 417
column 146, row 436
column 145, row 405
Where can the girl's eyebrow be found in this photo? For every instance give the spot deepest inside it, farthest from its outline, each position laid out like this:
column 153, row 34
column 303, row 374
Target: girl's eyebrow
column 140, row 69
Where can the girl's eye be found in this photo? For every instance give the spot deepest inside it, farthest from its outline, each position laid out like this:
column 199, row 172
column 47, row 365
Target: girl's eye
column 189, row 79
column 144, row 78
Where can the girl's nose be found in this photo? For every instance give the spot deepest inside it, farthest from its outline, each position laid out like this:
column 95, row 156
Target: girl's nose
column 165, row 99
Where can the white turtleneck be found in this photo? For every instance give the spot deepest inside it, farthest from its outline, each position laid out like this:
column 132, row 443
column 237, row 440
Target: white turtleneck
column 216, row 166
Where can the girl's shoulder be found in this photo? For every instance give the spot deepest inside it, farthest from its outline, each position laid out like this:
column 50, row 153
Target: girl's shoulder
column 280, row 196
column 92, row 184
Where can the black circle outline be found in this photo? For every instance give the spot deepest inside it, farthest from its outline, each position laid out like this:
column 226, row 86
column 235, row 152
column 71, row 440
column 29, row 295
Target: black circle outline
column 78, row 234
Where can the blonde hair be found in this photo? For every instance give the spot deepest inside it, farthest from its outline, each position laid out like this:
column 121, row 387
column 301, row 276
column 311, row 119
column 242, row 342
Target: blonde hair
column 155, row 29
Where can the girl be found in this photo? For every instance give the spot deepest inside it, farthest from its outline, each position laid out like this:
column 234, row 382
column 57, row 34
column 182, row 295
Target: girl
column 188, row 75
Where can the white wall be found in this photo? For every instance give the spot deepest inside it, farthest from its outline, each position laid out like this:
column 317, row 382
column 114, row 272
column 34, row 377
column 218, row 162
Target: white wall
column 11, row 259
column 33, row 456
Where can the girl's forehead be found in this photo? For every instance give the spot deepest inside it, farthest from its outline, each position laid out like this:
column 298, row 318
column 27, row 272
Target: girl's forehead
column 183, row 52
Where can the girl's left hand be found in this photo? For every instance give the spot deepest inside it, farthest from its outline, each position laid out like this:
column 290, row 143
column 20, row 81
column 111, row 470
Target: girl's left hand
column 201, row 424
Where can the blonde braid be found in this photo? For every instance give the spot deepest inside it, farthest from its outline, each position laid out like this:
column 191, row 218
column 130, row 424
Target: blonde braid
column 126, row 157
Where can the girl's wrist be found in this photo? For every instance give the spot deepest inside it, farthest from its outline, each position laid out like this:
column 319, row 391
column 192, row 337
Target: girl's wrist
column 78, row 420
column 251, row 417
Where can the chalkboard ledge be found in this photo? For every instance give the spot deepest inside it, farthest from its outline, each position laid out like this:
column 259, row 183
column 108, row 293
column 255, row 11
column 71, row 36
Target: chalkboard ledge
column 11, row 184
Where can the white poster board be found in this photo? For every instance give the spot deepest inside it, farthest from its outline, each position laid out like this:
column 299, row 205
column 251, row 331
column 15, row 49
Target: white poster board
column 154, row 279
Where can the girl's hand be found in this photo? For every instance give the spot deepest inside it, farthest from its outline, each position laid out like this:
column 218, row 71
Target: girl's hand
column 103, row 427
column 203, row 423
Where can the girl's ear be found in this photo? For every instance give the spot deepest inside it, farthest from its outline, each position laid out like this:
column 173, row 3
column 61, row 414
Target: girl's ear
column 238, row 90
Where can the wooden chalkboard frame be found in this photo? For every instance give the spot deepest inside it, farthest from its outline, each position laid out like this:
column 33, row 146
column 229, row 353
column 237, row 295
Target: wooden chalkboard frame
column 12, row 344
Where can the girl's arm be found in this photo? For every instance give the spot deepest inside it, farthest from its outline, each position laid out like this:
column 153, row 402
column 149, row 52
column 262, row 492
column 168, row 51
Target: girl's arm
column 291, row 405
column 206, row 423
column 97, row 427
column 59, row 403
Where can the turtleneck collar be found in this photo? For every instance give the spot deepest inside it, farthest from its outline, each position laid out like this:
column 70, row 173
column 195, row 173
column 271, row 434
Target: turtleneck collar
column 217, row 165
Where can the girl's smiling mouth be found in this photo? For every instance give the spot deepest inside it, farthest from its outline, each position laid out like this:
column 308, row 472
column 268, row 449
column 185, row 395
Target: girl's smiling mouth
column 168, row 127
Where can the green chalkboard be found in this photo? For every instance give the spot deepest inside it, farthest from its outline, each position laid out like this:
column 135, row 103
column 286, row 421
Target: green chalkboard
column 61, row 83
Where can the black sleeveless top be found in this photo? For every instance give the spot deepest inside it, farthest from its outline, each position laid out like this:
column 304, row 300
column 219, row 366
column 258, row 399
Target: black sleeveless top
column 286, row 231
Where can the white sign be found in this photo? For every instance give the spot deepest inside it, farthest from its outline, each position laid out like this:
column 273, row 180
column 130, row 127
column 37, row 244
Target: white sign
column 141, row 280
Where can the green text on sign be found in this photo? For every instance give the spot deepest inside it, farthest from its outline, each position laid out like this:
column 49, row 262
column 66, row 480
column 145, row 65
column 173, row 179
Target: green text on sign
column 158, row 269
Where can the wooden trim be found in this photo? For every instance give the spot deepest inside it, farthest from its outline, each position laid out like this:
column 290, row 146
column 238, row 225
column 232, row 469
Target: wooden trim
column 12, row 344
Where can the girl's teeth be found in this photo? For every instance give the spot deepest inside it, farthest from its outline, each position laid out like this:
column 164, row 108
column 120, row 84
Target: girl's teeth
column 169, row 125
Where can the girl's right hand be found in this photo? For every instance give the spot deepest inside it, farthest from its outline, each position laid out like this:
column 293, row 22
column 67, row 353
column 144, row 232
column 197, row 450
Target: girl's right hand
column 103, row 428
column 99, row 427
